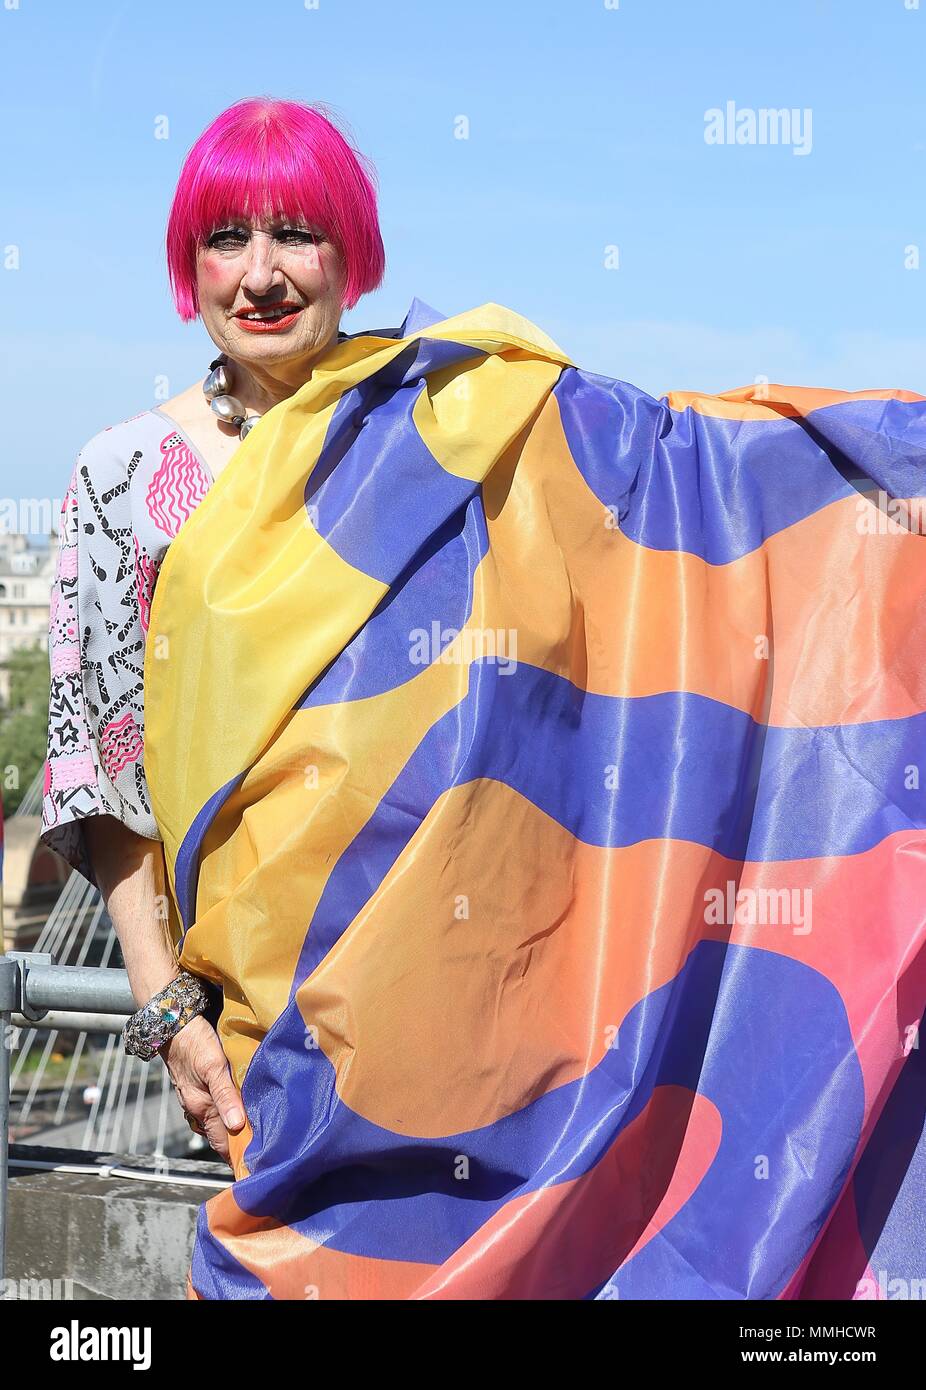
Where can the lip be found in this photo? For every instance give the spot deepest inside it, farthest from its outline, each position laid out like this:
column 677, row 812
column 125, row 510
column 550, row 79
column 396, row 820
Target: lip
column 276, row 325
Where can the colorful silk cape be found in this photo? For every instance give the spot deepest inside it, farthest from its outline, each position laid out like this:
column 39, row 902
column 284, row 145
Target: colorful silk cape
column 540, row 768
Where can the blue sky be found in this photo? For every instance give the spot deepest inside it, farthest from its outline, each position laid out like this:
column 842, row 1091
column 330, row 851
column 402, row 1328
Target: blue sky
column 587, row 128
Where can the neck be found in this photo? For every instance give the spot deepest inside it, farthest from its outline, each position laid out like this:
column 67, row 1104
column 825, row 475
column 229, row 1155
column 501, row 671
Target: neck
column 261, row 388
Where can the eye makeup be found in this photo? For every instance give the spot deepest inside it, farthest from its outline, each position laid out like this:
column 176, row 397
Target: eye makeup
column 234, row 237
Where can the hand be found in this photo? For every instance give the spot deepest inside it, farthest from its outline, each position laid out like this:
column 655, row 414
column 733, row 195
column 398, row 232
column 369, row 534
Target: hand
column 200, row 1073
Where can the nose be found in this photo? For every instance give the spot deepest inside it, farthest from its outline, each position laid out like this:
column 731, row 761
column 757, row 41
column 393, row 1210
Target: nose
column 259, row 276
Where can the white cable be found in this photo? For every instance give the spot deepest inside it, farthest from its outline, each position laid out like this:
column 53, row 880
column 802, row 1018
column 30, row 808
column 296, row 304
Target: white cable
column 107, row 1170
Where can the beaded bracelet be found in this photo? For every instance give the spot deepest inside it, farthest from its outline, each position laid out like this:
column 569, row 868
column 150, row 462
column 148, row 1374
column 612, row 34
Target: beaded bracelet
column 165, row 1013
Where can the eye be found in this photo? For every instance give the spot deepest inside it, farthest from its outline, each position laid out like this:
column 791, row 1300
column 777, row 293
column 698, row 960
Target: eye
column 295, row 235
column 227, row 239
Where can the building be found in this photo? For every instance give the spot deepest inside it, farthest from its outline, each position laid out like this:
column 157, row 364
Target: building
column 27, row 572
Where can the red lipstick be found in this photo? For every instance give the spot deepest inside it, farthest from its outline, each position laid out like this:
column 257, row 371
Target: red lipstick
column 277, row 321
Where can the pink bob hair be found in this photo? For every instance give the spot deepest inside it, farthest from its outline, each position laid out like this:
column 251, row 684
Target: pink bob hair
column 262, row 157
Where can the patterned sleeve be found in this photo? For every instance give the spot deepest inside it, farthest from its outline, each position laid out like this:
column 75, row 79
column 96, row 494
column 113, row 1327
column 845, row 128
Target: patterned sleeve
column 96, row 640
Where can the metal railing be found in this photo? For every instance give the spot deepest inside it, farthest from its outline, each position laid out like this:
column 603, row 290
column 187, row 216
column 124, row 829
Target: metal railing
column 37, row 993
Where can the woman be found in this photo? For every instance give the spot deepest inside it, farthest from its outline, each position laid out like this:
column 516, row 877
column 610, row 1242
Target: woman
column 141, row 479
column 530, row 765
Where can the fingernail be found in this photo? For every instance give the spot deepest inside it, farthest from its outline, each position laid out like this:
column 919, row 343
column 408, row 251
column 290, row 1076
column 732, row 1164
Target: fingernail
column 233, row 1119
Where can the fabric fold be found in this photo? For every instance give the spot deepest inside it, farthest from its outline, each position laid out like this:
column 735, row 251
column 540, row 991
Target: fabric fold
column 539, row 769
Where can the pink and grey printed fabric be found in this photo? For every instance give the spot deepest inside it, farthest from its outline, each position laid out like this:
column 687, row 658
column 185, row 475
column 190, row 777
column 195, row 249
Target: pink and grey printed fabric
column 133, row 486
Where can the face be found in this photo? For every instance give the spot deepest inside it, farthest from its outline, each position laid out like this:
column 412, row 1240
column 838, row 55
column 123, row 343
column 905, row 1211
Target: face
column 247, row 266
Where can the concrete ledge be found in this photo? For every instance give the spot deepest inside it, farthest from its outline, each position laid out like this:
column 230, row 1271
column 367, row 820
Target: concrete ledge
column 113, row 1237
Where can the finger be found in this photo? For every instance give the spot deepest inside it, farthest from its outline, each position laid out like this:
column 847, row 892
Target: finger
column 216, row 1133
column 194, row 1098
column 225, row 1096
column 198, row 1108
